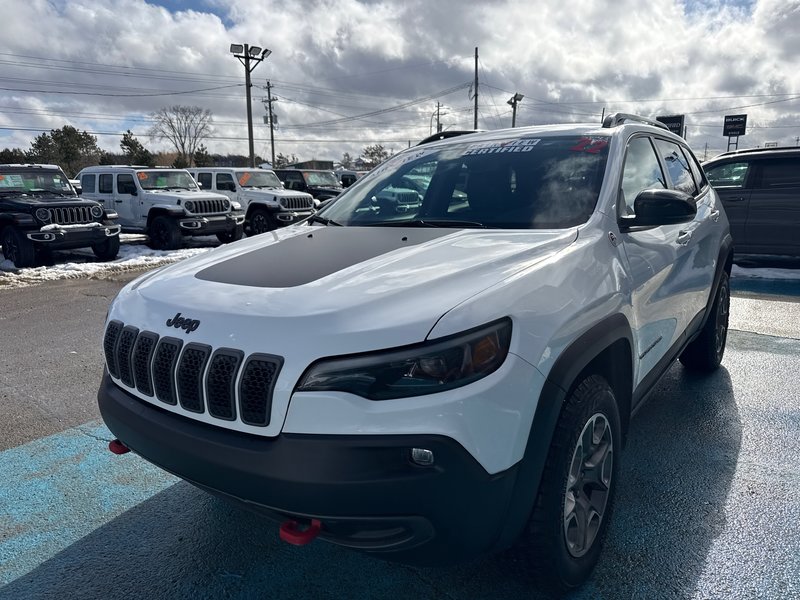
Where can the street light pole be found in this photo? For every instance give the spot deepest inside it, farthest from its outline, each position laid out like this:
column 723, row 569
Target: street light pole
column 249, row 56
column 513, row 102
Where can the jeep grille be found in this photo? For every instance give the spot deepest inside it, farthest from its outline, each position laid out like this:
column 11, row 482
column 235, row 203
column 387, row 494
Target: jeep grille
column 224, row 382
column 71, row 215
column 297, row 203
column 205, row 207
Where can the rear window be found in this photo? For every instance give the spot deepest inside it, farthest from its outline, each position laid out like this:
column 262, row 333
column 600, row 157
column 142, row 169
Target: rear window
column 514, row 183
column 780, row 173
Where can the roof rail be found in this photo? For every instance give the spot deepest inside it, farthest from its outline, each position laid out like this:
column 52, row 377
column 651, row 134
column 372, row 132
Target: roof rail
column 616, row 119
column 443, row 135
column 748, row 150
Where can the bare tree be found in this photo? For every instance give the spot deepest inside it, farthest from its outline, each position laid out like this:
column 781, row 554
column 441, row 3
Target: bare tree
column 185, row 127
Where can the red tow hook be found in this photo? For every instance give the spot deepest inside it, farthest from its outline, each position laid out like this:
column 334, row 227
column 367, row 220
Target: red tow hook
column 296, row 534
column 118, row 447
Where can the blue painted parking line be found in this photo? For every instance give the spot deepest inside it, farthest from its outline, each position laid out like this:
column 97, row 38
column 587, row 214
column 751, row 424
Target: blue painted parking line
column 58, row 489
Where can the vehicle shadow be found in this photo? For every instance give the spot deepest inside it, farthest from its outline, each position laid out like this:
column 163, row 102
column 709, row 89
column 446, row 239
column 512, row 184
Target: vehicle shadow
column 183, row 543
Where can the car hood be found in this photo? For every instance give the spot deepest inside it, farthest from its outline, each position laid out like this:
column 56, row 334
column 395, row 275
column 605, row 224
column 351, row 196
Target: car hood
column 255, row 194
column 348, row 289
column 184, row 195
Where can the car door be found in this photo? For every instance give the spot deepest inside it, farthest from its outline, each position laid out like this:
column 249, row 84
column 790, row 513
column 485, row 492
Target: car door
column 665, row 295
column 730, row 180
column 126, row 199
column 773, row 213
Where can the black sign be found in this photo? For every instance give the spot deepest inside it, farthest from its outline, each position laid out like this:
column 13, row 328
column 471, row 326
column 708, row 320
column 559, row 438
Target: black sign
column 734, row 125
column 674, row 123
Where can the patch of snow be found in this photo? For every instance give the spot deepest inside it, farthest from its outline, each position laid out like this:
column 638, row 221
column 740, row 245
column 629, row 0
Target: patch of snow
column 134, row 255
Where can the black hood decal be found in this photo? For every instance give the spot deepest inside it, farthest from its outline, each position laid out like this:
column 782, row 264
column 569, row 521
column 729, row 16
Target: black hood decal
column 322, row 251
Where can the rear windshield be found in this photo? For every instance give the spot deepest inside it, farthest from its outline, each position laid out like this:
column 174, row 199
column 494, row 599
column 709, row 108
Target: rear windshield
column 517, row 183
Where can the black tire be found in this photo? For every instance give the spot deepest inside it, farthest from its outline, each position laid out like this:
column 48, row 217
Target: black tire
column 108, row 249
column 164, row 234
column 575, row 478
column 706, row 351
column 17, row 248
column 261, row 221
column 231, row 236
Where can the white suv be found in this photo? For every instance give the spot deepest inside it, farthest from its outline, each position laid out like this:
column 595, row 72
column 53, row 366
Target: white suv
column 266, row 204
column 164, row 203
column 441, row 383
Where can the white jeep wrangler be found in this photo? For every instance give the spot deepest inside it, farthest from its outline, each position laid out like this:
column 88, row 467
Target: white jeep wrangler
column 164, row 203
column 266, row 204
column 441, row 383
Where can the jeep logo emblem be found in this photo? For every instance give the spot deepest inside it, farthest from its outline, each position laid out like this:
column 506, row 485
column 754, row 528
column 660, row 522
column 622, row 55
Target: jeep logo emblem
column 179, row 322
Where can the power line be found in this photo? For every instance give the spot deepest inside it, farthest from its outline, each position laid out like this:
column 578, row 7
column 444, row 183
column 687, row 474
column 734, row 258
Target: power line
column 172, row 93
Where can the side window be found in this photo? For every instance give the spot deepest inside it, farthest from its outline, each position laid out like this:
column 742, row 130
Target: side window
column 678, row 168
column 87, row 183
column 225, row 182
column 106, row 184
column 204, row 179
column 729, row 175
column 642, row 171
column 697, row 172
column 780, row 173
column 125, row 184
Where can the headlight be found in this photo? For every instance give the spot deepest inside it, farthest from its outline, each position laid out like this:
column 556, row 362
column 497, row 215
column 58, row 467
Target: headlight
column 43, row 215
column 189, row 206
column 425, row 368
column 227, row 204
column 97, row 212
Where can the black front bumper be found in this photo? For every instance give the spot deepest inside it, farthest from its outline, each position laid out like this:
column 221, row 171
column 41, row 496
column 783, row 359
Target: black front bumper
column 69, row 238
column 365, row 490
column 206, row 225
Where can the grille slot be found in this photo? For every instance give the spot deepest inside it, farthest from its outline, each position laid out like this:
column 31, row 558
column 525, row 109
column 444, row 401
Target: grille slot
column 109, row 346
column 221, row 383
column 142, row 355
column 71, row 215
column 124, row 352
column 297, row 203
column 256, row 387
column 208, row 206
column 190, row 376
column 164, row 361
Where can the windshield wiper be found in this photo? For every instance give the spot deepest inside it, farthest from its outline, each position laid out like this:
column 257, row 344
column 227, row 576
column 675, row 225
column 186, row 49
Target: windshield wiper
column 323, row 220
column 50, row 193
column 430, row 223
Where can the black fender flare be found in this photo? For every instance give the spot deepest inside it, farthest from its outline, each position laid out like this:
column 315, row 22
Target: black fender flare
column 724, row 264
column 566, row 370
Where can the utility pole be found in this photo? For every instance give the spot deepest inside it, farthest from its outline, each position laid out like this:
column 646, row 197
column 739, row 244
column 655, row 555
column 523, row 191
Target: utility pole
column 797, row 141
column 249, row 56
column 475, row 121
column 271, row 123
column 705, row 153
column 438, row 120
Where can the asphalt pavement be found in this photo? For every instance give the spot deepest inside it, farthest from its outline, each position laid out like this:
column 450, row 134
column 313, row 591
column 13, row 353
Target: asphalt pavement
column 707, row 504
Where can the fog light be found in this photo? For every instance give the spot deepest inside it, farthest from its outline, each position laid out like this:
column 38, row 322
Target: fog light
column 422, row 456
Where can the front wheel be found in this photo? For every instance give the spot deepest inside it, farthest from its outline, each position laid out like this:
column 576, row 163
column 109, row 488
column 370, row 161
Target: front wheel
column 108, row 249
column 164, row 234
column 226, row 237
column 706, row 351
column 562, row 540
column 261, row 221
column 17, row 248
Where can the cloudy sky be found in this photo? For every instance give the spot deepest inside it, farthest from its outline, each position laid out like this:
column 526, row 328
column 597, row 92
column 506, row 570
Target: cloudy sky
column 348, row 73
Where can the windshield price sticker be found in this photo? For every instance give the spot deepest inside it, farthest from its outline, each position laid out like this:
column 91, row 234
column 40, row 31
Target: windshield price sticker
column 244, row 178
column 516, row 145
column 142, row 176
column 11, row 181
column 590, row 145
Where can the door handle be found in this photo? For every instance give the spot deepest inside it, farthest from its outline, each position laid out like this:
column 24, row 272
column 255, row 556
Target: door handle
column 119, row 201
column 684, row 237
column 715, row 215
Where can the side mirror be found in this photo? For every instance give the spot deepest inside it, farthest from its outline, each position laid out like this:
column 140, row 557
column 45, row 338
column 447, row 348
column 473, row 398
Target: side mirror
column 660, row 207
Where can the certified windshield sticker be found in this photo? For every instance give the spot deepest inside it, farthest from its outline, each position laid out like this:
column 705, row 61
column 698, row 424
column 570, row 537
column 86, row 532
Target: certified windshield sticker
column 143, row 176
column 502, row 147
column 11, row 181
column 244, row 178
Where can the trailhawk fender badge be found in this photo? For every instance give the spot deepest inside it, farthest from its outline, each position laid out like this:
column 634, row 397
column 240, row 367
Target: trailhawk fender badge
column 179, row 322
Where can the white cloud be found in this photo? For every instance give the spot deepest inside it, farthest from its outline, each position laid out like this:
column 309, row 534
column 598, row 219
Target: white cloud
column 571, row 60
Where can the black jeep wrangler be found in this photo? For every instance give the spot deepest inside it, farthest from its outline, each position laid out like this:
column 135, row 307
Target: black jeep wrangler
column 40, row 212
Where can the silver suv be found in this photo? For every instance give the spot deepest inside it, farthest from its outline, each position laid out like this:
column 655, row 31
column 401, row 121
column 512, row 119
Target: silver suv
column 442, row 382
column 164, row 203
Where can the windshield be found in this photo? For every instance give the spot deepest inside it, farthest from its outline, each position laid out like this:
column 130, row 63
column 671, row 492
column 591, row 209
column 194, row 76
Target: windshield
column 258, row 178
column 321, row 178
column 164, row 179
column 35, row 182
column 514, row 183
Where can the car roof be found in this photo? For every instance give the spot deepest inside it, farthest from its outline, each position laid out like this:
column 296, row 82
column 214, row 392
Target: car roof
column 761, row 153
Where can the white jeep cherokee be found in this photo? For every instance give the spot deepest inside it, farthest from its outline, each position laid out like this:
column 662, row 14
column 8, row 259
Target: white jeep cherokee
column 443, row 383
